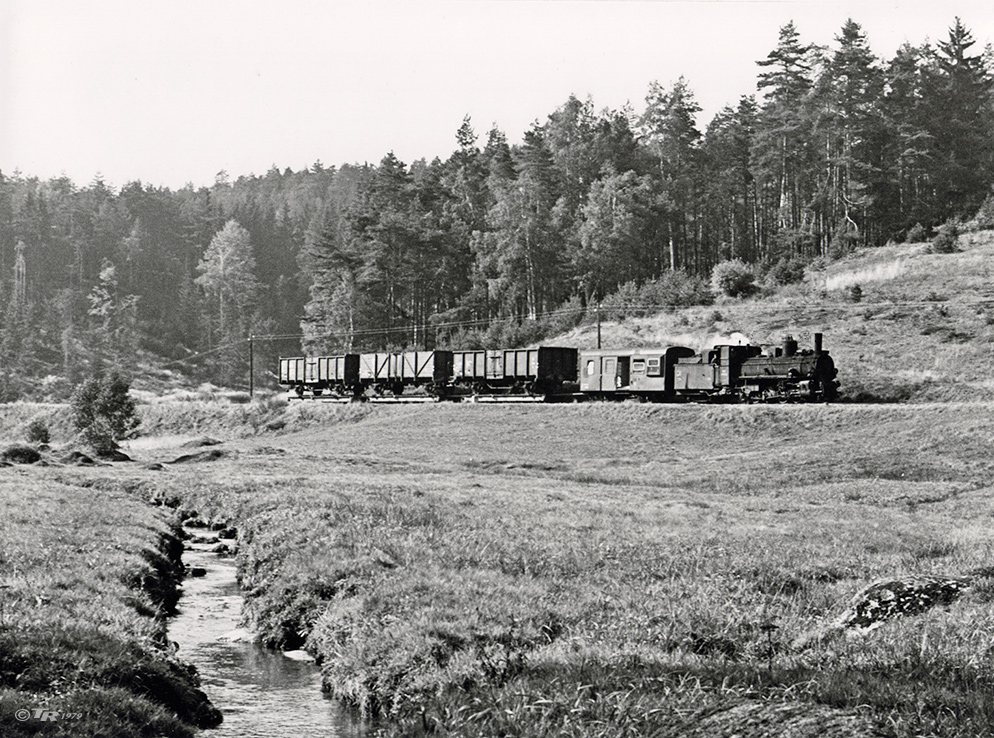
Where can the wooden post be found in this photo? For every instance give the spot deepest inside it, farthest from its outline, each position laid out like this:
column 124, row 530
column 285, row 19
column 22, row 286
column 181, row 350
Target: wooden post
column 251, row 366
column 598, row 312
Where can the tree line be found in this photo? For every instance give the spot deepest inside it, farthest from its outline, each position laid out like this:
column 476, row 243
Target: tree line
column 835, row 149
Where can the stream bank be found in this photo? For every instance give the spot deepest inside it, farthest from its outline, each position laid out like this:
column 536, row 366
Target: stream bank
column 261, row 693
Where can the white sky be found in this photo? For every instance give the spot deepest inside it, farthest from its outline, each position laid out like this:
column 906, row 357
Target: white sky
column 173, row 91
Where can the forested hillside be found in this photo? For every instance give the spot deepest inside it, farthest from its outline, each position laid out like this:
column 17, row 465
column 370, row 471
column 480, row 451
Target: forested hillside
column 835, row 149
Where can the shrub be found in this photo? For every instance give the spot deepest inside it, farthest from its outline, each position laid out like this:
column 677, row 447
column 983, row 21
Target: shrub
column 734, row 278
column 985, row 216
column 622, row 303
column 38, row 432
column 788, row 270
column 104, row 412
column 917, row 234
column 855, row 293
column 946, row 240
column 675, row 289
column 844, row 242
column 566, row 317
column 18, row 454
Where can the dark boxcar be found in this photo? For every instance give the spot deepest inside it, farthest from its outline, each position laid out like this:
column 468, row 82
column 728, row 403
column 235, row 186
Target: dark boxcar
column 535, row 371
column 546, row 363
column 556, row 364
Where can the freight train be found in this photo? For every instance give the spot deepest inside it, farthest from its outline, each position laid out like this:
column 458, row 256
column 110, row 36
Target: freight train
column 724, row 373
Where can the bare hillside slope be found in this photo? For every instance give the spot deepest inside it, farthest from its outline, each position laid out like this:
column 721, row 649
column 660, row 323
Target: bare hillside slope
column 918, row 328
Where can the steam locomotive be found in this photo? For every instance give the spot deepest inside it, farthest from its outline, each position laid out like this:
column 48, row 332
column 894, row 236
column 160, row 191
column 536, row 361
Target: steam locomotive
column 729, row 373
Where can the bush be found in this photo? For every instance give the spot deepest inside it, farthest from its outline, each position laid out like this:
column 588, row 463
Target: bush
column 566, row 317
column 18, row 454
column 668, row 290
column 844, row 242
column 676, row 289
column 946, row 240
column 104, row 412
column 38, row 432
column 788, row 270
column 622, row 303
column 985, row 216
column 917, row 234
column 734, row 278
column 855, row 293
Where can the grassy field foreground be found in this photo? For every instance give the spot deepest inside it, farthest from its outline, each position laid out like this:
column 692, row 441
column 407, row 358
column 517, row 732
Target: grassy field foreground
column 618, row 569
column 586, row 570
column 88, row 572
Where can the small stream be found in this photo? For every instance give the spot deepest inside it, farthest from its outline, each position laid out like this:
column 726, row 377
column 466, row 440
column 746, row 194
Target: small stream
column 262, row 693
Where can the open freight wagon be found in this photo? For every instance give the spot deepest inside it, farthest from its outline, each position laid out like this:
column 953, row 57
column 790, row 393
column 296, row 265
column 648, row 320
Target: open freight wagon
column 537, row 374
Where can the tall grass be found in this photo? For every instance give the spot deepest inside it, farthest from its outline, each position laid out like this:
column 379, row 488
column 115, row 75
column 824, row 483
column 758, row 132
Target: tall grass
column 476, row 586
column 88, row 575
column 876, row 273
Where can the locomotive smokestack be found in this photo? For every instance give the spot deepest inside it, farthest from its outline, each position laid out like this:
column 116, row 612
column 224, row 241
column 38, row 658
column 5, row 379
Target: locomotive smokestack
column 817, row 343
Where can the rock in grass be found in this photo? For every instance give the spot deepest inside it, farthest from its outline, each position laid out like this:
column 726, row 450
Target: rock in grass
column 201, row 442
column 884, row 600
column 78, row 458
column 384, row 559
column 114, row 455
column 212, row 455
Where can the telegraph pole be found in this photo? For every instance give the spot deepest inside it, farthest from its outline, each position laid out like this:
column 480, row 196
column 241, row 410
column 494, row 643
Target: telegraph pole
column 597, row 311
column 251, row 365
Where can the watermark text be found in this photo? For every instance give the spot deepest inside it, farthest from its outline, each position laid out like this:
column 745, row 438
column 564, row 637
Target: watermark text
column 46, row 716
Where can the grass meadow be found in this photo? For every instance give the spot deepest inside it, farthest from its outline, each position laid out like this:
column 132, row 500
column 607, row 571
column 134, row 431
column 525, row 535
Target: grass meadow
column 88, row 570
column 612, row 570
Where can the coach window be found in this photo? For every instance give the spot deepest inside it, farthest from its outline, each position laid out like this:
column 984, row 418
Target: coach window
column 590, row 368
column 638, row 366
column 609, row 366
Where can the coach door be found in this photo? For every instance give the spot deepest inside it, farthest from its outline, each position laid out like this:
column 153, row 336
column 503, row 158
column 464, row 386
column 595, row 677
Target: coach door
column 615, row 372
column 623, row 378
column 609, row 365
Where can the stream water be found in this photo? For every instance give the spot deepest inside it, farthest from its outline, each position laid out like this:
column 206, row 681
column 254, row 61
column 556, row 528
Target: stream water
column 262, row 694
